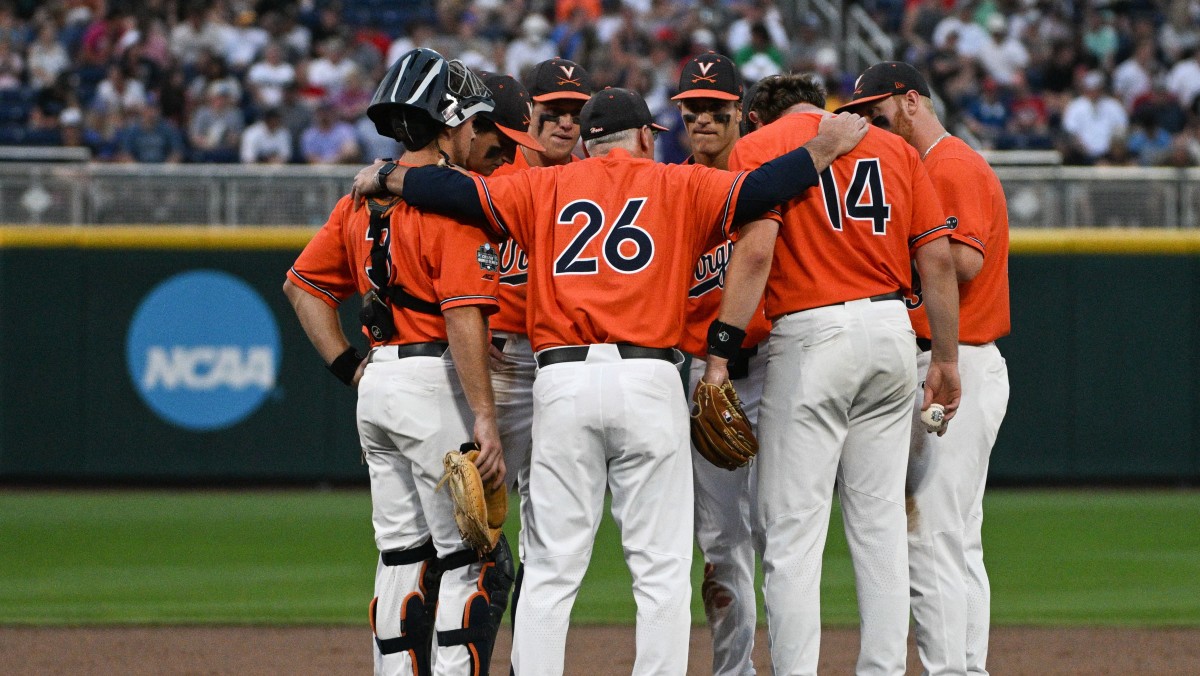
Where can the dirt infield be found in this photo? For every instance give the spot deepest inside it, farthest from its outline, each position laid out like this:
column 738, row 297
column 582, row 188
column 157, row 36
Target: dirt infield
column 594, row 651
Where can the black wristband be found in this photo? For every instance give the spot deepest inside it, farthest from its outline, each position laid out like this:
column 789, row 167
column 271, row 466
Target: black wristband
column 346, row 365
column 724, row 340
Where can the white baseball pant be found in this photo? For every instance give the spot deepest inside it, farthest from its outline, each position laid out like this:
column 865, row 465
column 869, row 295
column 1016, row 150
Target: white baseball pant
column 410, row 413
column 725, row 505
column 512, row 384
column 621, row 424
column 951, row 597
column 837, row 405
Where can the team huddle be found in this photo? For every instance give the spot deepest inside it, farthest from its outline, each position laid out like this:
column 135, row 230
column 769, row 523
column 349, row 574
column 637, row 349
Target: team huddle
column 540, row 301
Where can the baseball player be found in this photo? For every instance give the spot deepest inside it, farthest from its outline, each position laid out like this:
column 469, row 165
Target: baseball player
column 559, row 89
column 840, row 388
column 946, row 474
column 428, row 284
column 609, row 272
column 709, row 99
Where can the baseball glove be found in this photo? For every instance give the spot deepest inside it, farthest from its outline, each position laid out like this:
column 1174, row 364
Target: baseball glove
column 720, row 430
column 478, row 511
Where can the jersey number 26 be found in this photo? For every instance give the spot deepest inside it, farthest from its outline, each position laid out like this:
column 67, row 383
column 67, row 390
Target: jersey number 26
column 623, row 230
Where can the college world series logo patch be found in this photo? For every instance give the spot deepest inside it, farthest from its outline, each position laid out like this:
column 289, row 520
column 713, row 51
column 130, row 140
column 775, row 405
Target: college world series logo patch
column 489, row 259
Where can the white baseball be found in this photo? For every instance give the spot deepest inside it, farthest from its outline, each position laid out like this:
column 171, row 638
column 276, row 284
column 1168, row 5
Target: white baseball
column 934, row 417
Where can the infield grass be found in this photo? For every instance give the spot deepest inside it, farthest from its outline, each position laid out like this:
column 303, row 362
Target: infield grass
column 307, row 557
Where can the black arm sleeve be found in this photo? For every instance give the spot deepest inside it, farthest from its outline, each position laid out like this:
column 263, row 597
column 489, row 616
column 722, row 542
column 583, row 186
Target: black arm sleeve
column 444, row 191
column 772, row 184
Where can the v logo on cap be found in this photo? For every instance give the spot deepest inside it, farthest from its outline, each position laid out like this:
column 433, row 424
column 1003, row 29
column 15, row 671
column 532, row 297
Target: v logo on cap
column 705, row 67
column 568, row 71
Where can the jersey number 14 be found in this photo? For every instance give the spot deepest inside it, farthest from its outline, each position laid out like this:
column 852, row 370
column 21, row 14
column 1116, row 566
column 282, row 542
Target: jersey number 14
column 864, row 201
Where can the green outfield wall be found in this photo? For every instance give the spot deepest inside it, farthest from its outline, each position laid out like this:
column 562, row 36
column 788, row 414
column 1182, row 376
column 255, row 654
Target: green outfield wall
column 171, row 354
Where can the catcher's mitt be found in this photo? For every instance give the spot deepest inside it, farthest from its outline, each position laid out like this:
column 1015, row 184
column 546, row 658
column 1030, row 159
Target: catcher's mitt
column 720, row 430
column 478, row 511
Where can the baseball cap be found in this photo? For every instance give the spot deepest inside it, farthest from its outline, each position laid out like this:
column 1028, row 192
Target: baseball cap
column 710, row 76
column 883, row 80
column 513, row 109
column 614, row 109
column 560, row 78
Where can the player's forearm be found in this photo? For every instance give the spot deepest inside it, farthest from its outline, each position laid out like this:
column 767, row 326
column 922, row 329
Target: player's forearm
column 466, row 331
column 747, row 272
column 444, row 191
column 940, row 291
column 319, row 321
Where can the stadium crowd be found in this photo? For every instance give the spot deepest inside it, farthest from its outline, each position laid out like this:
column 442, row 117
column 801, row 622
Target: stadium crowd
column 1113, row 82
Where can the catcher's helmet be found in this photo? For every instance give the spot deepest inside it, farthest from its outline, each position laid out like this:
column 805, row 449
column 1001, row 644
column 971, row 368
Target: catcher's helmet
column 424, row 80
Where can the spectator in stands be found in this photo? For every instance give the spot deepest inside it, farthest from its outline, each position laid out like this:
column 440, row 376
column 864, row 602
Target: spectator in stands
column 420, row 34
column 47, row 57
column 1100, row 38
column 1148, row 143
column 755, row 12
column 760, row 57
column 119, row 92
column 352, row 101
column 215, row 129
column 986, row 114
column 575, row 37
column 1094, row 121
column 1159, row 108
column 1135, row 76
column 329, row 140
column 12, row 30
column 244, row 41
column 533, row 47
column 1028, row 122
column 971, row 36
column 921, row 18
column 269, row 77
column 1003, row 55
column 1184, row 79
column 196, row 34
column 267, row 141
column 211, row 71
column 333, row 69
column 73, row 133
column 375, row 146
column 1185, row 148
column 12, row 66
column 150, row 138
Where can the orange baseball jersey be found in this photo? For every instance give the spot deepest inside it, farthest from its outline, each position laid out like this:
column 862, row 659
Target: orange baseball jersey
column 853, row 235
column 704, row 299
column 704, row 303
column 609, row 259
column 974, row 202
column 514, row 267
column 432, row 257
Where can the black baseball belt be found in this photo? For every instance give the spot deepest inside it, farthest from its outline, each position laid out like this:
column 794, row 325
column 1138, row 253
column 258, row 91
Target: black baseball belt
column 559, row 355
column 924, row 344
column 396, row 352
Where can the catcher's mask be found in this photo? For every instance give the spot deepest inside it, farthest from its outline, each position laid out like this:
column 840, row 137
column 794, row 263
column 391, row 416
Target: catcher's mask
column 423, row 80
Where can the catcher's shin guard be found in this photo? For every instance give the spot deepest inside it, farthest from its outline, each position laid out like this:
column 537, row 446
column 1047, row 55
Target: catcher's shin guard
column 403, row 611
column 484, row 609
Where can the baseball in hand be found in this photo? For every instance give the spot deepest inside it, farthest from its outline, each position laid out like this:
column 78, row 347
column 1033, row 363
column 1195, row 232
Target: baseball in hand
column 934, row 417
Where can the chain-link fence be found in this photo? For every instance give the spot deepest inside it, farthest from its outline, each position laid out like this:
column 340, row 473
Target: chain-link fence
column 232, row 195
column 85, row 194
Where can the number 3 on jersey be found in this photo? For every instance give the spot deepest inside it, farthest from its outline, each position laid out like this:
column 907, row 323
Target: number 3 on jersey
column 864, row 201
column 569, row 261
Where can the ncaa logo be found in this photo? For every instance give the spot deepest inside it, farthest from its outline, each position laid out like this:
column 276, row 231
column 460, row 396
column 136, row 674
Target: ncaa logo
column 203, row 350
